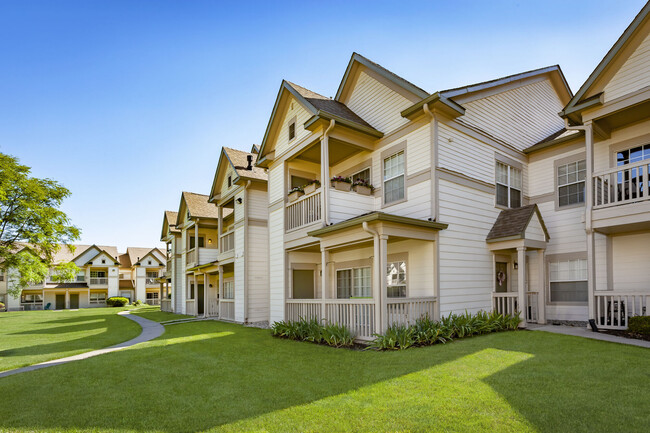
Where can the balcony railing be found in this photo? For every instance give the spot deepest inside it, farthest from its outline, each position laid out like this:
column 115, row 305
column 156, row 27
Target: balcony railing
column 190, row 307
column 190, row 257
column 227, row 309
column 151, row 281
column 627, row 183
column 306, row 210
column 152, row 301
column 166, row 305
column 99, row 281
column 227, row 242
column 613, row 309
column 405, row 311
column 505, row 302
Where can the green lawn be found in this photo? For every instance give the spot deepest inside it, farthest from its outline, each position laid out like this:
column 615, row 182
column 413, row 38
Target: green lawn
column 213, row 376
column 154, row 313
column 30, row 337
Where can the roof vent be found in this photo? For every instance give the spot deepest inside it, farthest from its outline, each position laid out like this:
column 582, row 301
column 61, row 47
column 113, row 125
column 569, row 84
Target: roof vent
column 249, row 158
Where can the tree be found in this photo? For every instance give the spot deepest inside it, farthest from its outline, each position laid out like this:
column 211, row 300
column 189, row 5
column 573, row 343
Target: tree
column 32, row 227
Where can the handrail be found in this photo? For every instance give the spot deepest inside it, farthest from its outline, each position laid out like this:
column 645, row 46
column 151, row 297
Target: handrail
column 617, row 168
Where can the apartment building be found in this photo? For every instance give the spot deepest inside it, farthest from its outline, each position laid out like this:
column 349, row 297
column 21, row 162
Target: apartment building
column 104, row 273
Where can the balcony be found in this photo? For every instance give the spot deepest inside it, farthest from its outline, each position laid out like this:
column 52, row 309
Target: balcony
column 151, row 281
column 227, row 242
column 622, row 198
column 201, row 256
column 99, row 281
column 304, row 211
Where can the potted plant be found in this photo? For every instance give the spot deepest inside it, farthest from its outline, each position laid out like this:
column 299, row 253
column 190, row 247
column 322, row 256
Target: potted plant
column 296, row 193
column 362, row 186
column 341, row 183
column 312, row 186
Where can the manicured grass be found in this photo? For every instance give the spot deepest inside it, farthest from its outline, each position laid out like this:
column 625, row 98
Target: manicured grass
column 30, row 337
column 212, row 376
column 154, row 313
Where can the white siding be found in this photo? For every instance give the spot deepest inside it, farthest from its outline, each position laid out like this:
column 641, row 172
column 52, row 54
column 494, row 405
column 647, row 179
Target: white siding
column 346, row 205
column 377, row 104
column 239, row 274
column 258, row 274
column 630, row 262
column 276, row 266
column 463, row 154
column 86, row 256
column 541, row 173
column 465, row 262
column 276, row 182
column 534, row 230
column 633, row 75
column 258, row 204
column 239, row 208
column 302, row 115
column 565, row 228
column 522, row 116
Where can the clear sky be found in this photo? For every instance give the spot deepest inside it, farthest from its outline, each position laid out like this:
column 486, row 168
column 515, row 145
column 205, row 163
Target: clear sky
column 128, row 103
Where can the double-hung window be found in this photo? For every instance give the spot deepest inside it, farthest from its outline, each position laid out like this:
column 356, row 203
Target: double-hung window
column 193, row 241
column 228, row 290
column 354, row 283
column 396, row 279
column 571, row 183
column 628, row 179
column 394, row 177
column 98, row 298
column 568, row 281
column 362, row 175
column 508, row 180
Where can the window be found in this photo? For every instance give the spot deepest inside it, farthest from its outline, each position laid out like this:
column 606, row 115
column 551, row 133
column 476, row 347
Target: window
column 229, row 181
column 193, row 240
column 396, row 279
column 98, row 298
column 149, row 262
column 152, row 274
column 228, row 290
column 571, row 183
column 152, row 295
column 123, row 277
column 394, row 177
column 81, row 277
column 103, row 261
column 97, row 274
column 628, row 179
column 362, row 175
column 298, row 181
column 292, row 130
column 568, row 280
column 354, row 283
column 508, row 180
column 31, row 299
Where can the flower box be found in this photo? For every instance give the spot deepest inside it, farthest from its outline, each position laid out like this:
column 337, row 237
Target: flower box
column 362, row 189
column 342, row 186
column 311, row 187
column 295, row 195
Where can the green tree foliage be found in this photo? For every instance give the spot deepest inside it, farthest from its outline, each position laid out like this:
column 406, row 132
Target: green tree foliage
column 32, row 223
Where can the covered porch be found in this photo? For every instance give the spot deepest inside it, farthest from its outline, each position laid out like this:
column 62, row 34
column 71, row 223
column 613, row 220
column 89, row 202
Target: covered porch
column 366, row 273
column 203, row 291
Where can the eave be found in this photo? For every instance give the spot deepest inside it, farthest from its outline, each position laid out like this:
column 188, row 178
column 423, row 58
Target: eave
column 435, row 101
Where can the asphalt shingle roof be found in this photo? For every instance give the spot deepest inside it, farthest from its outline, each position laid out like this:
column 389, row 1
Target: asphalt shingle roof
column 513, row 222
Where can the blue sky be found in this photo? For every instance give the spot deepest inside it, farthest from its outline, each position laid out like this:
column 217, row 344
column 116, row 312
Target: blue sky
column 128, row 103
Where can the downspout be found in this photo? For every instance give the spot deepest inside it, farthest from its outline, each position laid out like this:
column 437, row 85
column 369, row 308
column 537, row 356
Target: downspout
column 589, row 202
column 435, row 212
column 248, row 183
column 325, row 170
column 378, row 275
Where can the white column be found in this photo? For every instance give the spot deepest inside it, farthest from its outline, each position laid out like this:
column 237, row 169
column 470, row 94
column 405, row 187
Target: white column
column 541, row 293
column 196, row 245
column 521, row 283
column 376, row 286
column 589, row 202
column 325, row 178
column 67, row 299
column 325, row 280
column 220, row 289
column 383, row 263
column 219, row 227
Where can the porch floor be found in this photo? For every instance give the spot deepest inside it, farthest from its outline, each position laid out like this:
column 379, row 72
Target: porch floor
column 579, row 331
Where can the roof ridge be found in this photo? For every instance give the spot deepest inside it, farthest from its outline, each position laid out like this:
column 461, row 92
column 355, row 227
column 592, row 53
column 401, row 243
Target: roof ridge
column 388, row 71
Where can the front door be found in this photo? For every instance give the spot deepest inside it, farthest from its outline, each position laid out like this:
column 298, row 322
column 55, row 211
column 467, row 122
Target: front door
column 74, row 300
column 303, row 284
column 200, row 299
column 60, row 302
column 501, row 277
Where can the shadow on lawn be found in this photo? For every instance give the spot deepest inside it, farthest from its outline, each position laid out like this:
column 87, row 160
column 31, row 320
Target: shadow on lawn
column 207, row 374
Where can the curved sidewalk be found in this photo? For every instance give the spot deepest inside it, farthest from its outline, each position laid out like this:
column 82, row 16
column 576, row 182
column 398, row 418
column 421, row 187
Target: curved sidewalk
column 150, row 330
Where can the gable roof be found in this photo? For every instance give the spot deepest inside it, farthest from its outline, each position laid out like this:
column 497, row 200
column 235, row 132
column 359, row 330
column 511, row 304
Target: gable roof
column 198, row 205
column 113, row 258
column 580, row 100
column 512, row 223
column 320, row 107
column 172, row 217
column 81, row 249
column 385, row 73
column 237, row 160
column 561, row 136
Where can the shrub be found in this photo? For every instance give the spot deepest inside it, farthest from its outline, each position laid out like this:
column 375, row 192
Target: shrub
column 116, row 301
column 138, row 303
column 2, row 306
column 311, row 330
column 396, row 337
column 639, row 325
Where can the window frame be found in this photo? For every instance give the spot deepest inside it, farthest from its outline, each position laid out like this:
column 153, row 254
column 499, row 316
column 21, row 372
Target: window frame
column 290, row 123
column 556, row 191
column 369, row 169
column 389, row 153
column 230, row 283
column 352, row 281
column 556, row 258
column 406, row 278
column 510, row 167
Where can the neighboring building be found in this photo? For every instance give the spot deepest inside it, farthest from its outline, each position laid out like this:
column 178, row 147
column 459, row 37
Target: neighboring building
column 103, row 273
column 174, row 272
column 239, row 192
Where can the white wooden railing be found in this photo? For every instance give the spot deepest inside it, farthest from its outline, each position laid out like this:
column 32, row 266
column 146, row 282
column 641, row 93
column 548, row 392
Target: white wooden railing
column 213, row 308
column 98, row 281
column 227, row 242
column 505, row 302
column 405, row 311
column 166, row 305
column 152, row 301
column 227, row 309
column 190, row 307
column 620, row 185
column 151, row 281
column 190, row 257
column 358, row 315
column 305, row 210
column 303, row 308
column 613, row 309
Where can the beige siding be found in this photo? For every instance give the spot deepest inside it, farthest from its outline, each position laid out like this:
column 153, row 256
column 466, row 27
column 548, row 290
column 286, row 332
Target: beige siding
column 565, row 228
column 258, row 274
column 522, row 116
column 633, row 75
column 463, row 154
column 541, row 172
column 630, row 262
column 377, row 104
column 465, row 262
column 276, row 266
column 258, row 204
column 240, row 269
column 604, row 156
column 239, row 208
column 276, row 182
column 346, row 205
column 534, row 230
column 225, row 190
column 295, row 109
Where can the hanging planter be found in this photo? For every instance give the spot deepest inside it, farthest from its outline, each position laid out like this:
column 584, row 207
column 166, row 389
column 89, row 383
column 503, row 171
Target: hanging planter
column 341, row 183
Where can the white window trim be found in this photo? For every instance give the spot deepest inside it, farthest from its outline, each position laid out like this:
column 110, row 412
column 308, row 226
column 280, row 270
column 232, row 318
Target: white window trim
column 406, row 278
column 352, row 281
column 508, row 186
column 400, row 148
column 564, row 258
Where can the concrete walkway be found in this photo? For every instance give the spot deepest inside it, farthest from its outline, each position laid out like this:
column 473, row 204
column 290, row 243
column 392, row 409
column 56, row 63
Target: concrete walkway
column 150, row 330
column 579, row 331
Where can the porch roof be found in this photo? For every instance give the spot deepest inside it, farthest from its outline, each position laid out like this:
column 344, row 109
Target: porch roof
column 377, row 216
column 66, row 286
column 512, row 223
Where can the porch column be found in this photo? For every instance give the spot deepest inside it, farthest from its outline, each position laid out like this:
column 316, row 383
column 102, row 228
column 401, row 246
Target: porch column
column 521, row 284
column 220, row 288
column 376, row 287
column 541, row 295
column 589, row 202
column 324, row 177
column 383, row 263
column 219, row 227
column 67, row 299
column 325, row 280
column 196, row 246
